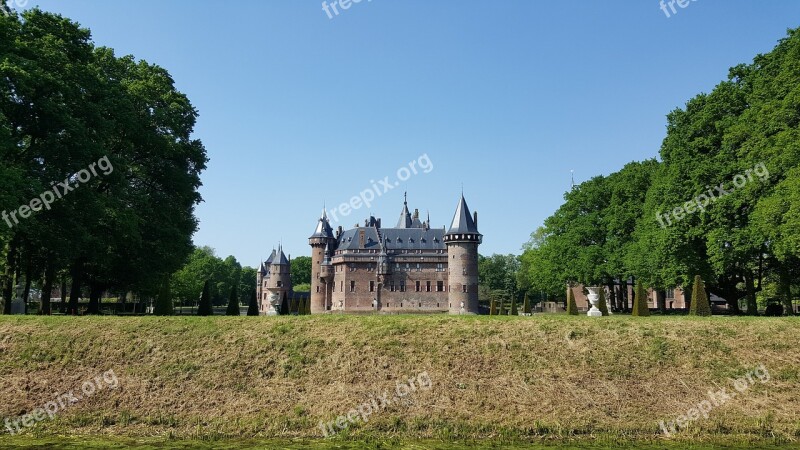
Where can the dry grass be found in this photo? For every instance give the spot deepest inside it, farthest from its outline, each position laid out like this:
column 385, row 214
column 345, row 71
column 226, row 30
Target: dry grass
column 493, row 377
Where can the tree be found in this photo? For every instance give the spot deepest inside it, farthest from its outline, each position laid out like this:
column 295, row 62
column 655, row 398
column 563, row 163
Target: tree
column 700, row 305
column 252, row 306
column 640, row 307
column 526, row 307
column 233, row 303
column 601, row 304
column 163, row 306
column 514, row 311
column 572, row 307
column 205, row 308
column 301, row 270
column 493, row 308
column 285, row 311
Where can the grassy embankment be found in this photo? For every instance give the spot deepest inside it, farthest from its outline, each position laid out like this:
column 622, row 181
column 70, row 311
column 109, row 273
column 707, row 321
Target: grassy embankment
column 540, row 379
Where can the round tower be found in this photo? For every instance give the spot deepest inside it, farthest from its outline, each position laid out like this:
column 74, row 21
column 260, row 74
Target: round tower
column 321, row 242
column 462, row 240
column 279, row 281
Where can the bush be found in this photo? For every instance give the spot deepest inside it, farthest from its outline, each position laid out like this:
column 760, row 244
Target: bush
column 205, row 308
column 601, row 304
column 252, row 307
column 640, row 308
column 514, row 311
column 163, row 306
column 700, row 305
column 233, row 303
column 572, row 307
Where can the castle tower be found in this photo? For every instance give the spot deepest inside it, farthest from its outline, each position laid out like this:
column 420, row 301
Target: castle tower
column 274, row 282
column 321, row 242
column 462, row 240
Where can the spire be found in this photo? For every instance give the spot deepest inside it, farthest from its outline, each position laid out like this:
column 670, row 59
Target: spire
column 323, row 229
column 405, row 216
column 463, row 222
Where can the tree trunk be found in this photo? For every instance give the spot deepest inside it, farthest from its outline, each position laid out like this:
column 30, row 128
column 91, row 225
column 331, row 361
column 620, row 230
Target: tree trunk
column 27, row 292
column 75, row 290
column 62, row 307
column 624, row 295
column 8, row 281
column 661, row 298
column 95, row 292
column 612, row 296
column 785, row 290
column 752, row 305
column 47, row 288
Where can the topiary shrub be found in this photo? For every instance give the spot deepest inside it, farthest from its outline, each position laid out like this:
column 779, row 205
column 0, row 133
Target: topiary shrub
column 640, row 308
column 205, row 308
column 700, row 305
column 601, row 304
column 572, row 307
column 514, row 311
column 233, row 303
column 252, row 307
column 163, row 306
column 526, row 306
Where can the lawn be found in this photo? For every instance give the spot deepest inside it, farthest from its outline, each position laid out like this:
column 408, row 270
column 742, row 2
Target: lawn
column 511, row 380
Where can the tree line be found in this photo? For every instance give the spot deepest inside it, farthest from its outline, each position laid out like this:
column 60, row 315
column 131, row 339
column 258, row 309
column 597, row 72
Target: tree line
column 65, row 105
column 721, row 202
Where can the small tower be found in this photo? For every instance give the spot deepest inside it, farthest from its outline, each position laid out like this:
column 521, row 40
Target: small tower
column 462, row 240
column 276, row 283
column 322, row 243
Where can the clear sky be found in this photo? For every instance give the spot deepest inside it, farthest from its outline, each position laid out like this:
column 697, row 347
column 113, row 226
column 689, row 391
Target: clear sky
column 505, row 97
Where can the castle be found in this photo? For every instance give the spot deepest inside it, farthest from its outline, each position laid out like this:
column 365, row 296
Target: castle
column 409, row 268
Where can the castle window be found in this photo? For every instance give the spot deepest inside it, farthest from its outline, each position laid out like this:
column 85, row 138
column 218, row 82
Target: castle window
column 464, row 288
column 280, row 283
column 341, row 286
column 419, row 268
column 372, row 286
column 317, row 289
column 418, row 286
column 670, row 293
column 352, row 286
column 402, row 286
column 427, row 286
column 391, row 286
column 464, row 271
column 439, row 286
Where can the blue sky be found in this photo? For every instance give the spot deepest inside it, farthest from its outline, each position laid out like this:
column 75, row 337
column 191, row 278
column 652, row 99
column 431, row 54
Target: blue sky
column 298, row 110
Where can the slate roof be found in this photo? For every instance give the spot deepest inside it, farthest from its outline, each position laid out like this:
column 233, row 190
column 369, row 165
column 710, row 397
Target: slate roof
column 394, row 239
column 462, row 220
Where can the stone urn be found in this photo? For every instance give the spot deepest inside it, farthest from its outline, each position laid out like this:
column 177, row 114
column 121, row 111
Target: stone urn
column 274, row 302
column 594, row 298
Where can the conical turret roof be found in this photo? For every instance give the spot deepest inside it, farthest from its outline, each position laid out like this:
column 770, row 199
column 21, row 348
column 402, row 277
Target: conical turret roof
column 463, row 221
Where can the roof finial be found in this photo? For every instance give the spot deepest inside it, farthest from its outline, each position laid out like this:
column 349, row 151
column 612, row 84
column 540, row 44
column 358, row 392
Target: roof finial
column 572, row 174
column 405, row 198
